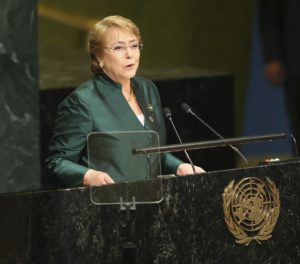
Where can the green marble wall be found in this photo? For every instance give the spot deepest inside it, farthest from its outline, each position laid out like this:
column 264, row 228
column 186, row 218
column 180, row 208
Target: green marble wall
column 19, row 97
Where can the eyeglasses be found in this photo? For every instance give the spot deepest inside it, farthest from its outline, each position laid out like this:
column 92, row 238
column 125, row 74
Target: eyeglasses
column 120, row 48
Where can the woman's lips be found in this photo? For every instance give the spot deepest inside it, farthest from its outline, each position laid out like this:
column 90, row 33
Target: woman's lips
column 130, row 66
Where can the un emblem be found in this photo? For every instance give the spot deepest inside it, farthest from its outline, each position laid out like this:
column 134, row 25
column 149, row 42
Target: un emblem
column 251, row 209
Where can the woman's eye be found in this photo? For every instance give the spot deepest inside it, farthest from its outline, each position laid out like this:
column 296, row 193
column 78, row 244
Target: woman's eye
column 134, row 46
column 118, row 48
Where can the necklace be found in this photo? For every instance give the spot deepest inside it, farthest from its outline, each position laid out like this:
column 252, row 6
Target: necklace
column 131, row 95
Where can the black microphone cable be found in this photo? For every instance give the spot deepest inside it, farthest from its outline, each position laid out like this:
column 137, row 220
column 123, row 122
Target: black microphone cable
column 186, row 108
column 168, row 115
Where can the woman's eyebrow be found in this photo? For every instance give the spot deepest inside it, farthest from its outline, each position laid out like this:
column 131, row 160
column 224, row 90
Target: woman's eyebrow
column 124, row 42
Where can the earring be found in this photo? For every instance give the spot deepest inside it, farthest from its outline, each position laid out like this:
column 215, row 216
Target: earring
column 101, row 64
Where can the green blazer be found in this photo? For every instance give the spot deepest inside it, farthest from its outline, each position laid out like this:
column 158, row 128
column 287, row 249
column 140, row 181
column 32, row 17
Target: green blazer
column 98, row 105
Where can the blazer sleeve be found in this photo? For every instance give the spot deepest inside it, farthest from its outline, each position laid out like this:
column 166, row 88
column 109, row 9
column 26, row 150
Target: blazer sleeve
column 170, row 163
column 73, row 124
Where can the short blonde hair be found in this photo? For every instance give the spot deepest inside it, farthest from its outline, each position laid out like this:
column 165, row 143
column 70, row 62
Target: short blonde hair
column 98, row 32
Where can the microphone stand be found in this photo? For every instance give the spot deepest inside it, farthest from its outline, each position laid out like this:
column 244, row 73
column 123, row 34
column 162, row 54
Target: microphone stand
column 186, row 108
column 129, row 248
column 167, row 113
column 234, row 148
column 213, row 143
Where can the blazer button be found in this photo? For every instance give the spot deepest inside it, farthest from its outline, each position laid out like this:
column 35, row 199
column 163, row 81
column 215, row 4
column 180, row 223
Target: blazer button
column 151, row 119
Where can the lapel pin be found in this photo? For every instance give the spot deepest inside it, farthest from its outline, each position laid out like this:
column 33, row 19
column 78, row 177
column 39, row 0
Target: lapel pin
column 150, row 108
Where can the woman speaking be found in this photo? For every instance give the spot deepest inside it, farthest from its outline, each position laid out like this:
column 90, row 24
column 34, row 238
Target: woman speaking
column 114, row 99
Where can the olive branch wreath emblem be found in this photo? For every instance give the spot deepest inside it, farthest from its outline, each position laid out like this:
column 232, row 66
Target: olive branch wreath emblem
column 270, row 219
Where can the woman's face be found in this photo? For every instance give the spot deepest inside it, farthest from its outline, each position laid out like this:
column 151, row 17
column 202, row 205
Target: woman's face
column 121, row 55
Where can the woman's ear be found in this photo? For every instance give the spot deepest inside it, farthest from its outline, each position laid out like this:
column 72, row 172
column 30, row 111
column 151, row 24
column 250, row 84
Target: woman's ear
column 100, row 62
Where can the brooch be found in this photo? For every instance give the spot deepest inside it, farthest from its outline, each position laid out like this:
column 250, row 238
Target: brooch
column 149, row 108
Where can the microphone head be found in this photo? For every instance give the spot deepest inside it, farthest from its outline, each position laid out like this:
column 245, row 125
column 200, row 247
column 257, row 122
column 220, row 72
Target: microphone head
column 167, row 112
column 186, row 108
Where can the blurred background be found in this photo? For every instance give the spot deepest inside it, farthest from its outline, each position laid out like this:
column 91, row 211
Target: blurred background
column 210, row 35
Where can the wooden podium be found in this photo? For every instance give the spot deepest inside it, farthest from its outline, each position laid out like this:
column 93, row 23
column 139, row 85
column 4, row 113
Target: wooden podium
column 187, row 226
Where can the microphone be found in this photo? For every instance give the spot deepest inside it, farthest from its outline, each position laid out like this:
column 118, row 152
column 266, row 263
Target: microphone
column 186, row 108
column 168, row 115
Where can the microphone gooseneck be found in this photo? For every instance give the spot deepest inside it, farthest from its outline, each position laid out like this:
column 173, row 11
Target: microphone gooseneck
column 168, row 115
column 186, row 108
